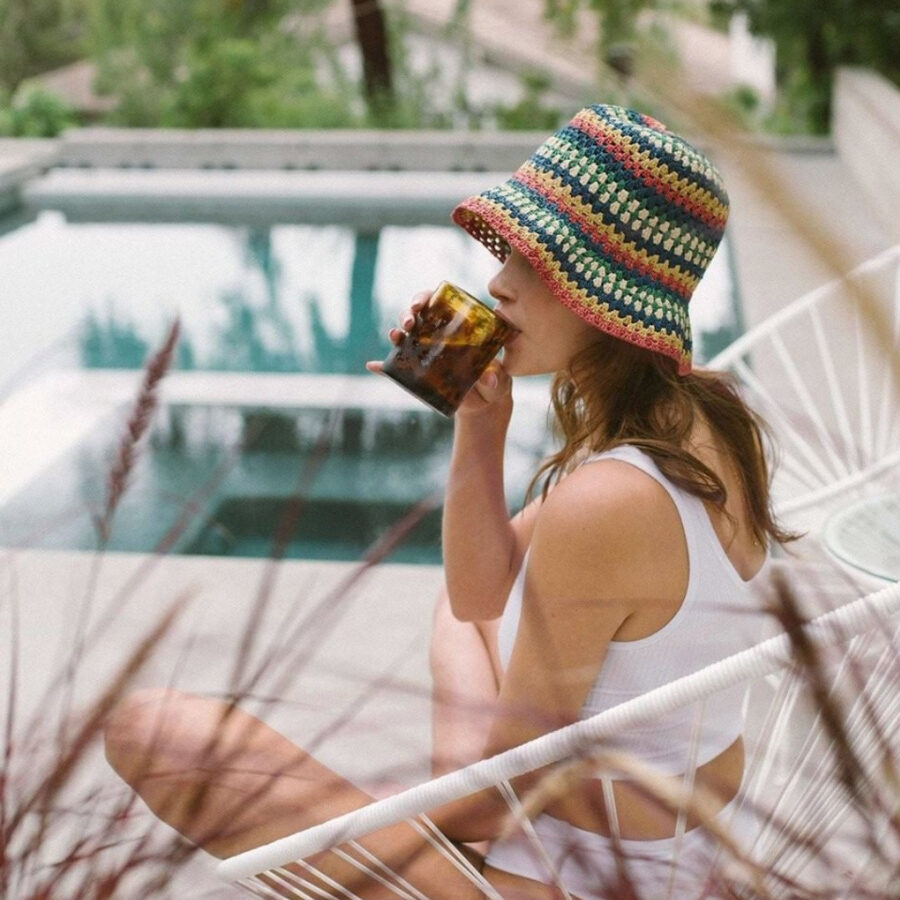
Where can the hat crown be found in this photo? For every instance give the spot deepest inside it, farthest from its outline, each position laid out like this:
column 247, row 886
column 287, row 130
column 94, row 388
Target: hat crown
column 619, row 216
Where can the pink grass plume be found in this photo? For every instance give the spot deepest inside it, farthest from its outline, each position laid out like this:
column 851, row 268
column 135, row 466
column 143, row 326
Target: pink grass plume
column 136, row 427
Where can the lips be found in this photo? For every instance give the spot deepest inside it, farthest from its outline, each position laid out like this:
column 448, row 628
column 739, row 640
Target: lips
column 500, row 315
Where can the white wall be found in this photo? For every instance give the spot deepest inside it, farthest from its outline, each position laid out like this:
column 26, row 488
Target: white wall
column 866, row 133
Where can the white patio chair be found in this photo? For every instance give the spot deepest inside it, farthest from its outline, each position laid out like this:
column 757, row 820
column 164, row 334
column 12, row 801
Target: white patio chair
column 826, row 828
column 825, row 374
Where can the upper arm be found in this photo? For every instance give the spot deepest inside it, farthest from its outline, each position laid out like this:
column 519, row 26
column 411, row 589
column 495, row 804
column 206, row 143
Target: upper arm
column 491, row 607
column 522, row 525
column 578, row 592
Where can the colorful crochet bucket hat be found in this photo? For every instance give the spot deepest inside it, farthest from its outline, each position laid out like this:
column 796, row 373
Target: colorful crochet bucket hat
column 619, row 216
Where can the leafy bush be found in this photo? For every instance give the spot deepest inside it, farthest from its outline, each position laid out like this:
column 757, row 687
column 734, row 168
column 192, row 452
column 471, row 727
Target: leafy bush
column 38, row 35
column 213, row 64
column 744, row 102
column 530, row 112
column 35, row 112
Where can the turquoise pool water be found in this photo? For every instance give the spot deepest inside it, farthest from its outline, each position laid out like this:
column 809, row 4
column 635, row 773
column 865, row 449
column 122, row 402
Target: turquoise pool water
column 282, row 298
column 239, row 480
column 277, row 298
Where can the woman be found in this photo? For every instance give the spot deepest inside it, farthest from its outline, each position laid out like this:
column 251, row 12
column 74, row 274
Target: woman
column 635, row 564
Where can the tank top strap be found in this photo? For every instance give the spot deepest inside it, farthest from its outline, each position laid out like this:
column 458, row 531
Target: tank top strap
column 690, row 508
column 694, row 518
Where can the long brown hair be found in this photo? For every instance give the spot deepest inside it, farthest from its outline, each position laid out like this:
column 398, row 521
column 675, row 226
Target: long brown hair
column 616, row 393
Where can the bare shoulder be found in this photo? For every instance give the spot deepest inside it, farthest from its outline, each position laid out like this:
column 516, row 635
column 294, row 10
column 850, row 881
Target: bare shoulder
column 606, row 495
column 601, row 525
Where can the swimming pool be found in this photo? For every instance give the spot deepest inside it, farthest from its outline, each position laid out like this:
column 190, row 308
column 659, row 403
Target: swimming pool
column 246, row 477
column 263, row 298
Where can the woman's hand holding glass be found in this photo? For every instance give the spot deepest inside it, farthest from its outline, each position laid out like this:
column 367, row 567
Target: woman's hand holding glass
column 490, row 397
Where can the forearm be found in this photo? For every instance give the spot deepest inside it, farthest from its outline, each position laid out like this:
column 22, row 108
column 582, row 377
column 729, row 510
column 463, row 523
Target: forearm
column 478, row 539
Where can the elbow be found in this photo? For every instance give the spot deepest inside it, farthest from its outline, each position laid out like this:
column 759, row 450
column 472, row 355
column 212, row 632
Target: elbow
column 473, row 609
column 464, row 613
column 447, row 615
column 468, row 604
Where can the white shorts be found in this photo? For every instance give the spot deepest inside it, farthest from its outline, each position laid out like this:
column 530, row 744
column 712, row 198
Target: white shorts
column 590, row 867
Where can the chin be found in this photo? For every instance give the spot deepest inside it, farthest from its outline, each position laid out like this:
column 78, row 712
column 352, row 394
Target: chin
column 515, row 370
column 512, row 365
column 516, row 362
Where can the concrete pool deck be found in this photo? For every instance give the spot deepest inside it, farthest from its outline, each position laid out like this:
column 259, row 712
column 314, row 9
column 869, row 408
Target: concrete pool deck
column 363, row 703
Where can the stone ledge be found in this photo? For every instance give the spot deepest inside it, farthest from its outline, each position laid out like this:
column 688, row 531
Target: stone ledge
column 21, row 160
column 363, row 200
column 368, row 150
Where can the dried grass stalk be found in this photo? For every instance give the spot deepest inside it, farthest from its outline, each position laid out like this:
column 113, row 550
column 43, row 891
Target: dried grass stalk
column 135, row 428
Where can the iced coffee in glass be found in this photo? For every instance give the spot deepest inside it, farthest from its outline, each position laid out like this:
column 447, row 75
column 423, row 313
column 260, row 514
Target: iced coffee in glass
column 450, row 344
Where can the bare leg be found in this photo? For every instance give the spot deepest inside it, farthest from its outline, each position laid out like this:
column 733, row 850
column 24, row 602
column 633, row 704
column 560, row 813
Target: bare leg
column 228, row 782
column 465, row 673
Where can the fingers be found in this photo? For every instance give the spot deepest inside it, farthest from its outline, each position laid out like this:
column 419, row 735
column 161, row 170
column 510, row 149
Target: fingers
column 396, row 335
column 495, row 380
column 495, row 383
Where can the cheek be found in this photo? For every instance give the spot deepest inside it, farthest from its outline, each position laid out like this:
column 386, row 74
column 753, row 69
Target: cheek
column 551, row 353
column 570, row 335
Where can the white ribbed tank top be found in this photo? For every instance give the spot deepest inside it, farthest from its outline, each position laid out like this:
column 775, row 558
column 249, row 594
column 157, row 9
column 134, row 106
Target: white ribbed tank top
column 720, row 615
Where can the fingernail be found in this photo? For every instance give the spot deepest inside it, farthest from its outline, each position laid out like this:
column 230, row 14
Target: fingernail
column 408, row 322
column 490, row 380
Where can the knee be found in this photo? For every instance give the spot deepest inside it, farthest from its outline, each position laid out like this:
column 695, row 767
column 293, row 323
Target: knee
column 135, row 730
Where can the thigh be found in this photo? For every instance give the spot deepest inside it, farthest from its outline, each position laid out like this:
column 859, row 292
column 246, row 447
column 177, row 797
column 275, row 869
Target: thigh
column 465, row 684
column 219, row 775
column 229, row 783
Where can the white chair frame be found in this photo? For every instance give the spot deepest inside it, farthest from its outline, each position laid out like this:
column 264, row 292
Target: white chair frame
column 824, row 372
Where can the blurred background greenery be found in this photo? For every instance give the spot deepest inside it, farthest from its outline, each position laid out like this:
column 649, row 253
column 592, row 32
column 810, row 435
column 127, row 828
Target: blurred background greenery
column 278, row 63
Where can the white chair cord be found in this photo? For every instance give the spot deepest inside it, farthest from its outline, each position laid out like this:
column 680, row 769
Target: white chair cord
column 528, row 828
column 443, row 844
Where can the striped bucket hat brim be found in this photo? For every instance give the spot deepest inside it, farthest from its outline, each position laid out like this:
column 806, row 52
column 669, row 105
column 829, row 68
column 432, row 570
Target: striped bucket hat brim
column 620, row 218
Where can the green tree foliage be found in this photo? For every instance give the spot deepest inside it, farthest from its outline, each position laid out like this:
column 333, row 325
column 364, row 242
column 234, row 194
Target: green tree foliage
column 34, row 113
column 215, row 63
column 530, row 112
column 617, row 21
column 814, row 37
column 36, row 36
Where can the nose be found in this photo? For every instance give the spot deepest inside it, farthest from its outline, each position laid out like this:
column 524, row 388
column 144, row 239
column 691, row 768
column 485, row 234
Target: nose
column 500, row 287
